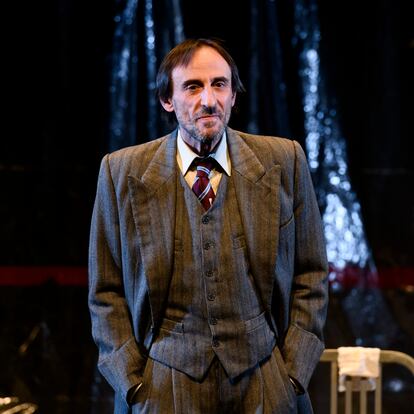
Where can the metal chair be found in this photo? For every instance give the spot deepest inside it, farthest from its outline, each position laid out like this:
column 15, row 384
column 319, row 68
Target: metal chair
column 386, row 356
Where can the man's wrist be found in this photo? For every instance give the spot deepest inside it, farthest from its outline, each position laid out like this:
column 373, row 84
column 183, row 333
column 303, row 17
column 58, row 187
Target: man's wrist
column 133, row 393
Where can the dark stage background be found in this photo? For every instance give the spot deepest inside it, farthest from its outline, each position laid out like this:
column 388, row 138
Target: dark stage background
column 57, row 129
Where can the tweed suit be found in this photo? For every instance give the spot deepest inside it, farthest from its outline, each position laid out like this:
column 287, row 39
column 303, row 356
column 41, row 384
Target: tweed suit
column 132, row 251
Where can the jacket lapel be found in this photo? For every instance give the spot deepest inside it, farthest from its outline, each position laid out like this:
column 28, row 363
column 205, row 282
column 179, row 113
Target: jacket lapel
column 257, row 191
column 153, row 200
column 153, row 204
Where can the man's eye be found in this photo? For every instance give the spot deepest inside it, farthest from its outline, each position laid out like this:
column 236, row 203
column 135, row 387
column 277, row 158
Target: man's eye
column 220, row 84
column 192, row 87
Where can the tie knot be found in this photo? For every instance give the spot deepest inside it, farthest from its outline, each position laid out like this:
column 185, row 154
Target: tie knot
column 204, row 166
column 202, row 187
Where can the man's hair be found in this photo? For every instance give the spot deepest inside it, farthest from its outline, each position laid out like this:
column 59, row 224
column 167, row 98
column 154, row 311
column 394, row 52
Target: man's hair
column 181, row 55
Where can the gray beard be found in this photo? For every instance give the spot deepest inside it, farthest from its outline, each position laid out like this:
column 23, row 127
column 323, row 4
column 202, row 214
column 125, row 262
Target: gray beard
column 206, row 139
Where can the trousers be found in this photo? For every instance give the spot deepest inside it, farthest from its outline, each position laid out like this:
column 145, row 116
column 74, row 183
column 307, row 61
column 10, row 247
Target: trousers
column 263, row 389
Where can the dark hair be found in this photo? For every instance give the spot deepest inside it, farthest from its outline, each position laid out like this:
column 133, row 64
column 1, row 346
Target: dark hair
column 181, row 55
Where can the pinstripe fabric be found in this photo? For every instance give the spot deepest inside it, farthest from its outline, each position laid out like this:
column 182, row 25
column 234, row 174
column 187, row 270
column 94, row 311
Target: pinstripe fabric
column 264, row 389
column 213, row 307
column 204, row 378
column 131, row 256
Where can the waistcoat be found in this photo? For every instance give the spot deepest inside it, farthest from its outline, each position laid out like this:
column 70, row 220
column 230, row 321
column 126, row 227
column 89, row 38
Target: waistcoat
column 213, row 308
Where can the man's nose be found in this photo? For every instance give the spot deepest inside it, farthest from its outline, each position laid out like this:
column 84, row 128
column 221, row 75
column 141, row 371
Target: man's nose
column 208, row 97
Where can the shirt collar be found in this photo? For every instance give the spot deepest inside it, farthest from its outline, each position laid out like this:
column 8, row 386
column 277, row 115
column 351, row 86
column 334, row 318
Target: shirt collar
column 187, row 155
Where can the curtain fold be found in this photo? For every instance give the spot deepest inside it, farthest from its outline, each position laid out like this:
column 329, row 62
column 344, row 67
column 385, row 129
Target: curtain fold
column 144, row 32
column 123, row 79
column 267, row 106
column 325, row 145
column 347, row 247
column 286, row 86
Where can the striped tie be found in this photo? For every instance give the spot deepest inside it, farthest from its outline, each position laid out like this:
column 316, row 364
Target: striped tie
column 202, row 186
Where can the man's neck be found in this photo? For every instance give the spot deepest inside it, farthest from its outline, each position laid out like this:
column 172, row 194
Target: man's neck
column 202, row 148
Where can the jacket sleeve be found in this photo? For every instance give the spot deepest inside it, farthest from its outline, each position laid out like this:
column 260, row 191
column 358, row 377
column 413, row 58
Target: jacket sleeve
column 303, row 343
column 120, row 360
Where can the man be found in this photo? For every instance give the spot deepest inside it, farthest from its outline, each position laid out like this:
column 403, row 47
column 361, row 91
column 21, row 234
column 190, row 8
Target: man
column 207, row 278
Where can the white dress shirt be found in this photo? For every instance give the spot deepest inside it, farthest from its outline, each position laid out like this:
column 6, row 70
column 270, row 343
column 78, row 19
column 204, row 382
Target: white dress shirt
column 185, row 157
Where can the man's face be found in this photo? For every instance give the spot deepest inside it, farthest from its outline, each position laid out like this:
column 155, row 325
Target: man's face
column 202, row 97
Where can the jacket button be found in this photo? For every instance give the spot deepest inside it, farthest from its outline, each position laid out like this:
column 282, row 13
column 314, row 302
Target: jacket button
column 205, row 219
column 216, row 342
column 207, row 245
column 211, row 296
column 209, row 273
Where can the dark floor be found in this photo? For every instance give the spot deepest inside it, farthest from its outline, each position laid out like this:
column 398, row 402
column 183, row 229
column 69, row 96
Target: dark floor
column 47, row 356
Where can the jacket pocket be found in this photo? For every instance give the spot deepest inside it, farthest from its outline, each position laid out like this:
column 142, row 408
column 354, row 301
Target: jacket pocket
column 255, row 322
column 172, row 326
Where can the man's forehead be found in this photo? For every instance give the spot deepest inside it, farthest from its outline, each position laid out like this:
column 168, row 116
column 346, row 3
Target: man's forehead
column 206, row 62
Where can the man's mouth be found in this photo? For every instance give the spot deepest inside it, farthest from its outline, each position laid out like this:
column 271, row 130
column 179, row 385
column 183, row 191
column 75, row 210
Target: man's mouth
column 208, row 116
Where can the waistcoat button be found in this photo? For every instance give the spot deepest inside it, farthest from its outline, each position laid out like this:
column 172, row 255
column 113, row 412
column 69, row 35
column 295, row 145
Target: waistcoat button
column 207, row 245
column 213, row 321
column 209, row 273
column 216, row 342
column 211, row 296
column 205, row 219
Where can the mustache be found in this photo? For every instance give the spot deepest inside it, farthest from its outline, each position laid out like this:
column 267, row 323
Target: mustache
column 208, row 110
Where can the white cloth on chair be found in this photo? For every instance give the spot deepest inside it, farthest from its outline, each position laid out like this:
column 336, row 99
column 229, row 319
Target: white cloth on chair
column 358, row 361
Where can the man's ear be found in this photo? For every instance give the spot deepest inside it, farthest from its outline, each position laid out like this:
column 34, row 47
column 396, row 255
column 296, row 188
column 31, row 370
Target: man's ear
column 167, row 105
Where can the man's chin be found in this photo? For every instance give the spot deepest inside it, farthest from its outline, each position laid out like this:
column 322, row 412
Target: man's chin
column 209, row 134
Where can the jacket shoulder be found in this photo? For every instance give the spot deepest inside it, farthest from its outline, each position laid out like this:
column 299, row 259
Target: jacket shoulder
column 133, row 152
column 133, row 159
column 272, row 149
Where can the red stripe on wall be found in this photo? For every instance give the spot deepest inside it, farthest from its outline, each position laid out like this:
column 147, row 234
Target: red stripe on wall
column 385, row 277
column 37, row 275
column 392, row 277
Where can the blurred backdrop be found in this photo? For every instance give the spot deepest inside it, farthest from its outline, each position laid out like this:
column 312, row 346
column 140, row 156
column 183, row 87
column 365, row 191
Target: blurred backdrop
column 336, row 76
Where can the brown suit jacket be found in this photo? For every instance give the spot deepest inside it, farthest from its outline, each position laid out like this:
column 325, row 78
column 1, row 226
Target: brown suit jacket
column 132, row 244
